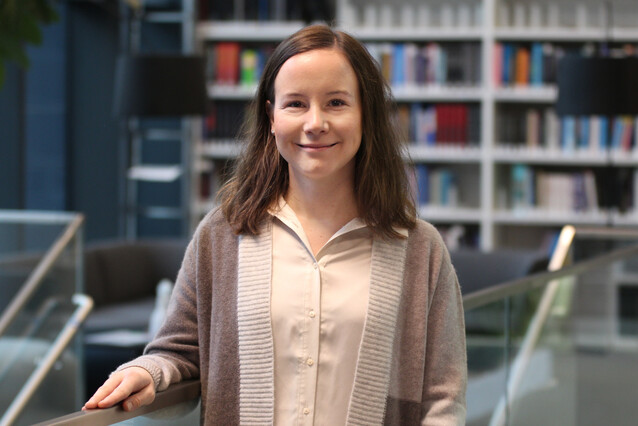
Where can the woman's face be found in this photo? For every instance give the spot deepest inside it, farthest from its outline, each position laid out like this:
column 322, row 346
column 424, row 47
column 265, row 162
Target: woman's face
column 316, row 116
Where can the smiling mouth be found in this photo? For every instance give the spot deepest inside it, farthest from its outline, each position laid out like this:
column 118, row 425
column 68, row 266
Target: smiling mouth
column 316, row 147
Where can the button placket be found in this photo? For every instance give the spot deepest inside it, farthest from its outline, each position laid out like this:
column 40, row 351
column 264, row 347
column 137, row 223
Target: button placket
column 312, row 354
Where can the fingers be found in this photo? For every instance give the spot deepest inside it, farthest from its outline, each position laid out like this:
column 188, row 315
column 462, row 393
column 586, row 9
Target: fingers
column 133, row 385
column 143, row 397
column 104, row 391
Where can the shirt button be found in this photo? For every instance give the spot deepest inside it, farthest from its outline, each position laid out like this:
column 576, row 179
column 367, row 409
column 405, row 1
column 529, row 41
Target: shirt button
column 306, row 411
column 310, row 362
column 311, row 314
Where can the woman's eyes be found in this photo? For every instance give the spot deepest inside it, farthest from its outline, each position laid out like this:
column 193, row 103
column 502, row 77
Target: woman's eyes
column 331, row 103
column 293, row 104
column 337, row 102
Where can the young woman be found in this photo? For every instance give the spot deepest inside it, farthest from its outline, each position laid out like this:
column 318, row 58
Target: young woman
column 313, row 295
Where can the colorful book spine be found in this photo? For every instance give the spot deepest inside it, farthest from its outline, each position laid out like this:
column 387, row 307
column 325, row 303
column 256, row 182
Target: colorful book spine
column 249, row 67
column 583, row 133
column 568, row 137
column 536, row 64
column 498, row 65
column 522, row 66
column 398, row 65
column 423, row 184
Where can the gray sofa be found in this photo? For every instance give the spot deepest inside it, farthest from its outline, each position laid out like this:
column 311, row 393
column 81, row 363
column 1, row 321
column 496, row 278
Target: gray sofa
column 478, row 270
column 121, row 277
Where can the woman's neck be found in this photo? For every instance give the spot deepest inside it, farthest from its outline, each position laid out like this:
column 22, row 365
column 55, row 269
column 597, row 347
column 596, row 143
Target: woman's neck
column 322, row 209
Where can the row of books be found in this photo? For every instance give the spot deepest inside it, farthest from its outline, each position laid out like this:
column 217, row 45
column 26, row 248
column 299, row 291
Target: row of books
column 231, row 63
column 432, row 63
column 223, row 120
column 525, row 64
column 447, row 123
column 434, row 185
column 538, row 127
column 601, row 133
column 535, row 64
column 552, row 190
column 266, row 10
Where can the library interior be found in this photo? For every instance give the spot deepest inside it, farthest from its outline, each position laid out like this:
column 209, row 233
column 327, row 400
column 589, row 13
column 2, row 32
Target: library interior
column 121, row 120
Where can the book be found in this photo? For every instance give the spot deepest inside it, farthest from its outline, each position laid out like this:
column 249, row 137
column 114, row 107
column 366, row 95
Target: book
column 385, row 55
column 532, row 125
column 594, row 134
column 521, row 185
column 617, row 133
column 536, row 64
column 508, row 64
column 498, row 64
column 583, row 133
column 522, row 66
column 249, row 72
column 410, row 53
column 397, row 73
column 227, row 63
column 603, row 138
column 423, row 184
column 568, row 134
column 626, row 138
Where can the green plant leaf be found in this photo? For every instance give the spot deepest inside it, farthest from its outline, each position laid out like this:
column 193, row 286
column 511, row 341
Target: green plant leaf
column 29, row 31
column 20, row 24
column 12, row 50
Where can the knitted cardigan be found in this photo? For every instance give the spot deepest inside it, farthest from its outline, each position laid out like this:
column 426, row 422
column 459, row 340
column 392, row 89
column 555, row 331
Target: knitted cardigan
column 411, row 368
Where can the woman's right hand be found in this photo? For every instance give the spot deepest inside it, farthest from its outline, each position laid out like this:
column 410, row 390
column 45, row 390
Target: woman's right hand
column 134, row 386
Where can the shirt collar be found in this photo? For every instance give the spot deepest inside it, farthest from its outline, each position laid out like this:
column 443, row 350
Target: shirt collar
column 286, row 214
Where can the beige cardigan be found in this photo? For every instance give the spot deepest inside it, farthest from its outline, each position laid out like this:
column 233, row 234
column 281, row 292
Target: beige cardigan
column 412, row 361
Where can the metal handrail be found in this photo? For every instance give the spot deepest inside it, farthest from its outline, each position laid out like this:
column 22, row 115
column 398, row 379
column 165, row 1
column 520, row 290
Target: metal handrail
column 37, row 217
column 525, row 284
column 85, row 304
column 43, row 267
column 180, row 393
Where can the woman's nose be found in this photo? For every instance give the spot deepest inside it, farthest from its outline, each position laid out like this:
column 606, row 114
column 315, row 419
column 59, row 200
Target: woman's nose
column 316, row 121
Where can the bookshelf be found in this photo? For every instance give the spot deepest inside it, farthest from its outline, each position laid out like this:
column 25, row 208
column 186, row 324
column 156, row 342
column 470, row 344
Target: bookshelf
column 512, row 127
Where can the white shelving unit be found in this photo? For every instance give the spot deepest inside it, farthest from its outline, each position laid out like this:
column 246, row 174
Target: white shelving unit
column 486, row 22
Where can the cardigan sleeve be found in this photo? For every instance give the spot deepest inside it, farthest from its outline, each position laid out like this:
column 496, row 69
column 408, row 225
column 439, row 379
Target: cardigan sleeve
column 173, row 355
column 445, row 377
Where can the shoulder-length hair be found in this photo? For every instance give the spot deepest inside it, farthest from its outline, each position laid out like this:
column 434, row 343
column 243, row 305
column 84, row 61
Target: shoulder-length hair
column 260, row 176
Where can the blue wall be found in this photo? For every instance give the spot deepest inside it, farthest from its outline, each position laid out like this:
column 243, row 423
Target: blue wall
column 45, row 120
column 11, row 148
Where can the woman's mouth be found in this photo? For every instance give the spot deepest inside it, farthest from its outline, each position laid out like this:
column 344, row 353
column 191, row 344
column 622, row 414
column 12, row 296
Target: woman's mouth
column 316, row 147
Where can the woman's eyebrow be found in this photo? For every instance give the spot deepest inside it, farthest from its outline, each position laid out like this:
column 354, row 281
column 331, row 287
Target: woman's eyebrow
column 340, row 92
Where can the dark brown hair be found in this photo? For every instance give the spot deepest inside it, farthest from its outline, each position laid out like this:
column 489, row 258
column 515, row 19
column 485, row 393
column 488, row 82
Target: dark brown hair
column 260, row 176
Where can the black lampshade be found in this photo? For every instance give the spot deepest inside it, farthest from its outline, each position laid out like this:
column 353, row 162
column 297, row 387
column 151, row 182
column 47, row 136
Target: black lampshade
column 160, row 85
column 597, row 86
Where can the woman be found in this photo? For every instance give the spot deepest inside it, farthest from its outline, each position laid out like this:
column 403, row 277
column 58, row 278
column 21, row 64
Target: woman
column 314, row 295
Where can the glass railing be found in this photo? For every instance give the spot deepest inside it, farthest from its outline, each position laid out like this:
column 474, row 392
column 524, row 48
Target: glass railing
column 41, row 308
column 559, row 347
column 555, row 348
